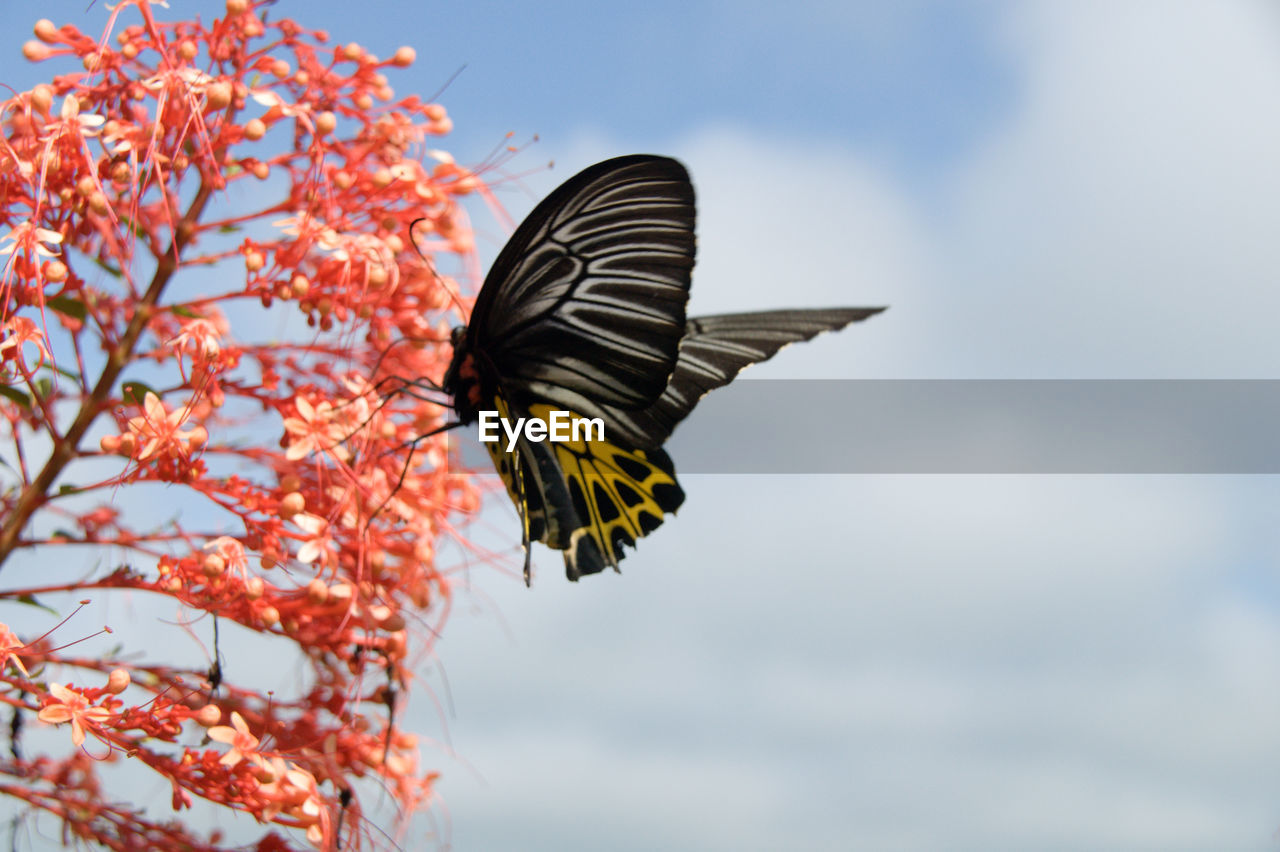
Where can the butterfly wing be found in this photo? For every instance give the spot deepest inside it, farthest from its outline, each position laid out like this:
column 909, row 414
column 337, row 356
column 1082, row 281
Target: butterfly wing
column 586, row 498
column 713, row 351
column 587, row 299
column 618, row 496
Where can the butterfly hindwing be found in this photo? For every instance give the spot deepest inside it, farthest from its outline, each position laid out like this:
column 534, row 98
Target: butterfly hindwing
column 588, row 498
column 512, row 468
column 619, row 495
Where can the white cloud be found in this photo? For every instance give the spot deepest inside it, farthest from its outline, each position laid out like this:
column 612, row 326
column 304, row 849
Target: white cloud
column 1117, row 224
column 782, row 227
column 998, row 661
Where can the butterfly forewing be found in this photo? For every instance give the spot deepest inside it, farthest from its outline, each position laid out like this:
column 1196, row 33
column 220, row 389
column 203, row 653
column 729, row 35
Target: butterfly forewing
column 588, row 297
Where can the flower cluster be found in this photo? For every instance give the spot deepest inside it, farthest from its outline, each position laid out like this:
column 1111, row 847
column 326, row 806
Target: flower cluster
column 226, row 250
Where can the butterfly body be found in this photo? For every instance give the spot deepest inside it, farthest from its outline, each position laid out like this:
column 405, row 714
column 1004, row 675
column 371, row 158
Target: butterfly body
column 584, row 312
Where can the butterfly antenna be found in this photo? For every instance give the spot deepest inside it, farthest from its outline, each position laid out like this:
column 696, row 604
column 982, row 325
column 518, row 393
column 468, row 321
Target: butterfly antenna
column 409, row 387
column 454, row 297
column 447, row 83
column 378, row 364
column 404, row 471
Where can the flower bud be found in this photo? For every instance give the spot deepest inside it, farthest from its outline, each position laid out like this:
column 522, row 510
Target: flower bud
column 117, row 681
column 42, row 98
column 218, row 95
column 317, row 591
column 291, row 504
column 208, row 715
column 46, row 31
column 55, row 271
column 35, row 51
column 214, row 565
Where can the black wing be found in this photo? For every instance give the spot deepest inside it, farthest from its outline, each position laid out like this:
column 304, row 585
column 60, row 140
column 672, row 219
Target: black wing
column 589, row 294
column 713, row 351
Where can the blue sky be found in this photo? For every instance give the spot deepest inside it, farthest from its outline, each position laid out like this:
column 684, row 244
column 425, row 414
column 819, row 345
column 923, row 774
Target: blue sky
column 1038, row 190
column 834, row 72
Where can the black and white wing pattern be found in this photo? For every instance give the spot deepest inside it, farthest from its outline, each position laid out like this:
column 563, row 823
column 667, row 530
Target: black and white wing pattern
column 712, row 352
column 588, row 296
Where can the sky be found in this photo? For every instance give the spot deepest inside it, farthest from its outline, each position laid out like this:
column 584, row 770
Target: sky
column 1046, row 190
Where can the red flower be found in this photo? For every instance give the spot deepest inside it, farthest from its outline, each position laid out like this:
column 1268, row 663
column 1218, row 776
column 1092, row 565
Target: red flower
column 67, row 705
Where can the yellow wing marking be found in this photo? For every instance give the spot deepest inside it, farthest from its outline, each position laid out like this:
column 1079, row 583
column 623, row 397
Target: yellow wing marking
column 587, row 498
column 619, row 495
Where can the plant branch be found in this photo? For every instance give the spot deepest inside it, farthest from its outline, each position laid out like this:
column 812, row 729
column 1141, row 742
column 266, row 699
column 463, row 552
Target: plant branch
column 66, row 448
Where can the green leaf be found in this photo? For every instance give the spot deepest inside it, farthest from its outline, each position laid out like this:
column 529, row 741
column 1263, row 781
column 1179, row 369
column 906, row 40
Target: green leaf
column 130, row 223
column 184, row 311
column 67, row 305
column 44, row 387
column 30, row 600
column 136, row 392
column 113, row 271
column 15, row 395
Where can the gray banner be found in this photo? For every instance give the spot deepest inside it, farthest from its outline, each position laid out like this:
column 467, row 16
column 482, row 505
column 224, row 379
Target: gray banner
column 1040, row 426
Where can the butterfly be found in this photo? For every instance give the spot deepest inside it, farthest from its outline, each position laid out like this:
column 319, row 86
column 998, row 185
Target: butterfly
column 583, row 313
